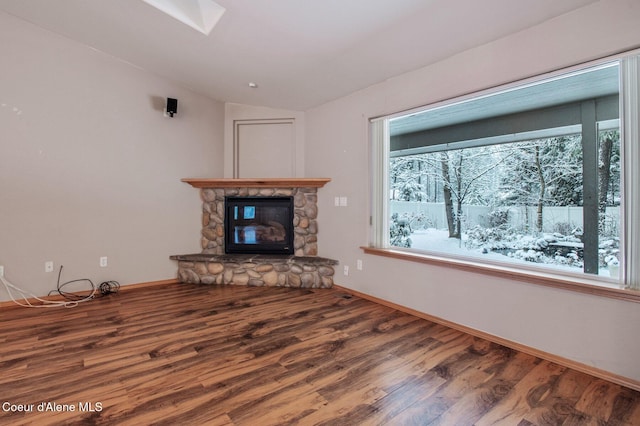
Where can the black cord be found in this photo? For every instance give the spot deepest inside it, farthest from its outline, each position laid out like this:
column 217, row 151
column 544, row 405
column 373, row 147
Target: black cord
column 105, row 288
column 68, row 295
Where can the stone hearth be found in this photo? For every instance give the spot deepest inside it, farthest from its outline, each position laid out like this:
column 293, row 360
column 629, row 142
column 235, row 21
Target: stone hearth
column 256, row 270
column 213, row 266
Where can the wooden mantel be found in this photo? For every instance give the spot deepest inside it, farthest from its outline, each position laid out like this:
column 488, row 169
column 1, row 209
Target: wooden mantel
column 257, row 183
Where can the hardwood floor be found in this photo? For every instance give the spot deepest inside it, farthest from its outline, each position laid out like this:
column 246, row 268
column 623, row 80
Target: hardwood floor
column 193, row 355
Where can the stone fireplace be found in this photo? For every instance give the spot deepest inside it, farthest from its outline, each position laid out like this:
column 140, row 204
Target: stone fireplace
column 305, row 212
column 222, row 261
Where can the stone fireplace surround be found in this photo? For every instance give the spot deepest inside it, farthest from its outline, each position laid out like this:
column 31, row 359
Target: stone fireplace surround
column 213, row 266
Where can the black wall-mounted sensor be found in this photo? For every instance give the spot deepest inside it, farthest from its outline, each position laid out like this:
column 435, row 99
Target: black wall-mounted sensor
column 172, row 106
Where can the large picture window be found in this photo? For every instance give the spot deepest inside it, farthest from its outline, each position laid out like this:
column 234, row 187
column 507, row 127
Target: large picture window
column 531, row 176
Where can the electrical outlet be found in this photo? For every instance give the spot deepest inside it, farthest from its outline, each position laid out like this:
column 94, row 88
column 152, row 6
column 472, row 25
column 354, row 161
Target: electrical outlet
column 1, row 271
column 48, row 266
column 103, row 262
column 343, row 201
column 346, row 270
column 336, row 201
column 359, row 264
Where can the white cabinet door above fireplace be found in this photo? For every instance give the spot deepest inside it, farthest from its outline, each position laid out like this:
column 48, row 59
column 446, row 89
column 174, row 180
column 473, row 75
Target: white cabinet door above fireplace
column 264, row 148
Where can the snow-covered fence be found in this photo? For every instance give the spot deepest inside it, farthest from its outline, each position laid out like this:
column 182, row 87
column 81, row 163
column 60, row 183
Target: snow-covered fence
column 554, row 219
column 435, row 214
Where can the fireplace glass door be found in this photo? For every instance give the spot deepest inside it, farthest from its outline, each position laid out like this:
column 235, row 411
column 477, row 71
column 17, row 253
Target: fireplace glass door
column 261, row 225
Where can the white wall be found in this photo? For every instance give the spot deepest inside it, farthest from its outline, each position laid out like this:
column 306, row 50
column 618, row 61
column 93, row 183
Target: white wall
column 90, row 167
column 597, row 331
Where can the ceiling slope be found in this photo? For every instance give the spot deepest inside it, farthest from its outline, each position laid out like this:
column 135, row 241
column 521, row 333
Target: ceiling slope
column 301, row 53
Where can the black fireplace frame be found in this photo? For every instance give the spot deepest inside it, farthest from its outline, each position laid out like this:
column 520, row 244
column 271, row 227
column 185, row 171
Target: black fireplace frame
column 275, row 248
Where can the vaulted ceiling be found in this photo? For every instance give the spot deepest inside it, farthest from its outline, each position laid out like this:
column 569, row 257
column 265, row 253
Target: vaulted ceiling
column 300, row 53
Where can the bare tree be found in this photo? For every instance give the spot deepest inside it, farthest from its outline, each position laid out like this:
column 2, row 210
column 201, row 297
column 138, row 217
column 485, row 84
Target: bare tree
column 541, row 189
column 463, row 173
column 604, row 176
column 446, row 190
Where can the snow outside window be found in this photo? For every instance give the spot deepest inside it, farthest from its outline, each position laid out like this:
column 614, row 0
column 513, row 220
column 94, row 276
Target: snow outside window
column 532, row 176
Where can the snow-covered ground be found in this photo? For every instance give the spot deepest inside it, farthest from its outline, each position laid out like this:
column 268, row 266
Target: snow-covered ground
column 438, row 241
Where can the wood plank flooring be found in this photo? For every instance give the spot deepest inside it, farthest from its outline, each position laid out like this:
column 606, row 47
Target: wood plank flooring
column 230, row 355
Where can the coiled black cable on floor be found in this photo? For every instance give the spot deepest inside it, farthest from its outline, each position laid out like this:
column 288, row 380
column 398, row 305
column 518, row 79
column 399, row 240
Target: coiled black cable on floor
column 108, row 287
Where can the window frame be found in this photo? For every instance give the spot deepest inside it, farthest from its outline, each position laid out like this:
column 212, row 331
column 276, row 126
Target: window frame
column 626, row 287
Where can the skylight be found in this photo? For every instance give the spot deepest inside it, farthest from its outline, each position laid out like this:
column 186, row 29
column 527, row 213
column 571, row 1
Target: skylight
column 201, row 15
